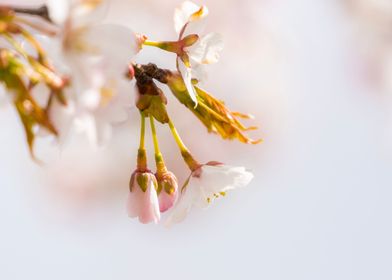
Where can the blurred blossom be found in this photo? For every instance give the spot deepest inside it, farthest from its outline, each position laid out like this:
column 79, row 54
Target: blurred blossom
column 373, row 21
column 207, row 183
column 97, row 56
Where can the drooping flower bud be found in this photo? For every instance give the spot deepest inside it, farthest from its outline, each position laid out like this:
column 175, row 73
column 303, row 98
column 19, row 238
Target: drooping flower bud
column 143, row 199
column 167, row 190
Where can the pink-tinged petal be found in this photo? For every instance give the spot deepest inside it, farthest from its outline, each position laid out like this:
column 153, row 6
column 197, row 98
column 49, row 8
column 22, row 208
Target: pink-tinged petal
column 149, row 206
column 166, row 201
column 143, row 205
column 168, row 185
column 133, row 202
column 186, row 74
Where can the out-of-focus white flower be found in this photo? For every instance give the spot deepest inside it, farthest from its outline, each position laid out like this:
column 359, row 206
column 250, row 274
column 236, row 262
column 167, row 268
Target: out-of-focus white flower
column 373, row 22
column 96, row 57
column 207, row 183
column 206, row 49
column 373, row 10
column 143, row 199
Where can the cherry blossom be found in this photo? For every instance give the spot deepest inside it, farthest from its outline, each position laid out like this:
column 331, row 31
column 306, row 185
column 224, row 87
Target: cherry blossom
column 206, row 184
column 96, row 57
column 205, row 50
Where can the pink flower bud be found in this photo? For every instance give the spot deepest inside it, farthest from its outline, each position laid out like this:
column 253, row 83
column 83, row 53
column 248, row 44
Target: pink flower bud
column 143, row 199
column 168, row 190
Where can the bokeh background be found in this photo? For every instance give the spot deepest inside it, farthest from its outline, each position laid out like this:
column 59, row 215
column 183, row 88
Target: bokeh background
column 315, row 75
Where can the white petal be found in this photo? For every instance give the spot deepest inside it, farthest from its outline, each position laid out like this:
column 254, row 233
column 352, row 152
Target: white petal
column 62, row 118
column 186, row 74
column 184, row 205
column 198, row 71
column 182, row 14
column 58, row 10
column 103, row 133
column 222, row 178
column 85, row 123
column 112, row 41
column 115, row 109
column 207, row 49
column 88, row 12
column 89, row 99
column 53, row 48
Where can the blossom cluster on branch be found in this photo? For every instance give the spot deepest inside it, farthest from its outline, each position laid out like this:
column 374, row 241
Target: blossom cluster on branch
column 65, row 70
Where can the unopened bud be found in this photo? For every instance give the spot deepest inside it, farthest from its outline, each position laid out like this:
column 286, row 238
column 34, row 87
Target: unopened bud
column 167, row 190
column 142, row 198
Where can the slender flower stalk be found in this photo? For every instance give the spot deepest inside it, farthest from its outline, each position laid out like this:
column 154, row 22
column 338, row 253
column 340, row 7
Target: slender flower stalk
column 154, row 136
column 141, row 157
column 167, row 181
column 186, row 155
column 142, row 130
column 143, row 197
column 177, row 137
column 152, row 43
column 160, row 164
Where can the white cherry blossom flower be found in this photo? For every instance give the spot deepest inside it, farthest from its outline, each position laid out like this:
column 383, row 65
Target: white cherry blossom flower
column 206, row 49
column 206, row 184
column 96, row 56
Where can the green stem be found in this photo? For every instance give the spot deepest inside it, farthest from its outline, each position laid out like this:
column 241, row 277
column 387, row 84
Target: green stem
column 154, row 135
column 169, row 46
column 177, row 137
column 151, row 43
column 161, row 168
column 141, row 155
column 186, row 155
column 142, row 130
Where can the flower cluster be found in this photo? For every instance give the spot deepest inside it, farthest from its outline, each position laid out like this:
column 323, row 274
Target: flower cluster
column 71, row 73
